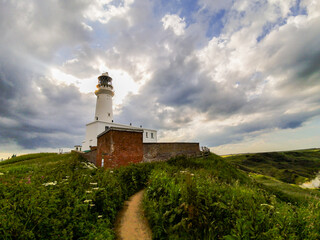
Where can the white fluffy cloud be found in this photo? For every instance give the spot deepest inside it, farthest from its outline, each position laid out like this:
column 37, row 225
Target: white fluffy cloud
column 174, row 22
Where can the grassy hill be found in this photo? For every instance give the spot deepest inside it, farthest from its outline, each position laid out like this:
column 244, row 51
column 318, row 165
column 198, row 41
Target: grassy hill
column 291, row 166
column 51, row 196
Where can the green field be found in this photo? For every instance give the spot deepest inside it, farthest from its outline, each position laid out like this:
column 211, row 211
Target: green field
column 51, row 196
column 291, row 166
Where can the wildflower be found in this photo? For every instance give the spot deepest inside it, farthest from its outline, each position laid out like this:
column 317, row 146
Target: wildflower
column 99, row 216
column 1, row 173
column 88, row 191
column 96, row 188
column 29, row 180
column 111, row 171
column 50, row 183
column 93, row 183
column 92, row 205
column 87, row 201
column 191, row 174
column 264, row 204
column 89, row 165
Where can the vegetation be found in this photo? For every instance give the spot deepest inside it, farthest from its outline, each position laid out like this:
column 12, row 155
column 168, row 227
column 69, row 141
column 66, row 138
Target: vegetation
column 195, row 199
column 291, row 167
column 51, row 196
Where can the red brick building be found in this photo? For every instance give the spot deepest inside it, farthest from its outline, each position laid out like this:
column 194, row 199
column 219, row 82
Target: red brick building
column 119, row 147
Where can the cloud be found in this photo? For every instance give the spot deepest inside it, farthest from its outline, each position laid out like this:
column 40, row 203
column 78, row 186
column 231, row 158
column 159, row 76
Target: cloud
column 174, row 22
column 236, row 75
column 214, row 72
column 35, row 111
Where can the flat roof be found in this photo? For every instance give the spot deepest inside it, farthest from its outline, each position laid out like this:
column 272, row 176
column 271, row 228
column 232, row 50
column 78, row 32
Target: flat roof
column 121, row 130
column 121, row 125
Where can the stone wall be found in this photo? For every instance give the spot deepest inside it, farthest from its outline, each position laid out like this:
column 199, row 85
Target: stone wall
column 119, row 147
column 91, row 156
column 164, row 151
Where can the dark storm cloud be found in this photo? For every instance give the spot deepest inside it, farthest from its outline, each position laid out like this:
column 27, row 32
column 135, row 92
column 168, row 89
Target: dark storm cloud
column 39, row 113
column 34, row 111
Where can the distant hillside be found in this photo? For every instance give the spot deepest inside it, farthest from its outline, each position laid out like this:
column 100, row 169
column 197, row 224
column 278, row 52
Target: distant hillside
column 291, row 166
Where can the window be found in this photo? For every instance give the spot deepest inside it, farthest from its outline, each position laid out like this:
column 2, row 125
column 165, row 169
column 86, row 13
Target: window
column 109, row 114
column 151, row 135
column 96, row 118
column 146, row 134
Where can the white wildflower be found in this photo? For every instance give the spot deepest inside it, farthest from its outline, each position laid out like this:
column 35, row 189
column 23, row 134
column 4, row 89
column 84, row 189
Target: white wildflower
column 111, row 171
column 87, row 201
column 92, row 205
column 1, row 173
column 88, row 191
column 93, row 183
column 96, row 188
column 50, row 183
column 89, row 165
column 268, row 205
column 99, row 216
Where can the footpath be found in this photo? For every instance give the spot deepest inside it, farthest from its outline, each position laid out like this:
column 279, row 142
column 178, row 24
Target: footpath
column 131, row 223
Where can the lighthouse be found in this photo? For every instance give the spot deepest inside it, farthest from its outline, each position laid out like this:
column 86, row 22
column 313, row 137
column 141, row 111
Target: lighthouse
column 103, row 118
column 104, row 95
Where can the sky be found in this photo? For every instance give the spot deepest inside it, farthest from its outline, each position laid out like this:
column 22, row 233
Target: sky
column 236, row 76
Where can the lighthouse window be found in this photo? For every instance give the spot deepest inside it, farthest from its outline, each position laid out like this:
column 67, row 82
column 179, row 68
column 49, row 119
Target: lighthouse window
column 151, row 135
column 146, row 134
column 109, row 114
column 96, row 118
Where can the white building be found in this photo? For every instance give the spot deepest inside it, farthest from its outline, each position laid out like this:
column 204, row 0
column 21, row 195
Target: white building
column 104, row 115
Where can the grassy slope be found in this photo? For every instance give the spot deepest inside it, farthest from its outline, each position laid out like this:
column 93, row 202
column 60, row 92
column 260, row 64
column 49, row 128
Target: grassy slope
column 189, row 198
column 51, row 196
column 291, row 167
column 211, row 199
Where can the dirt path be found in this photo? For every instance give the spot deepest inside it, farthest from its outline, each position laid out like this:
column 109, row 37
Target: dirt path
column 131, row 223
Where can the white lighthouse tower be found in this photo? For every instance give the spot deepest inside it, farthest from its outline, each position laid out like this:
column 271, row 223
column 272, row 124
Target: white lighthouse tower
column 104, row 99
column 104, row 116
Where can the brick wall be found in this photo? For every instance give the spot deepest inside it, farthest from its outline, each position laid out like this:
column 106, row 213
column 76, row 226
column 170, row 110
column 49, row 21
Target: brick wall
column 164, row 151
column 119, row 147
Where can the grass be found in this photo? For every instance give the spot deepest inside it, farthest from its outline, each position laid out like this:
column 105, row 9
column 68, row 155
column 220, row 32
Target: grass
column 291, row 167
column 211, row 199
column 51, row 196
